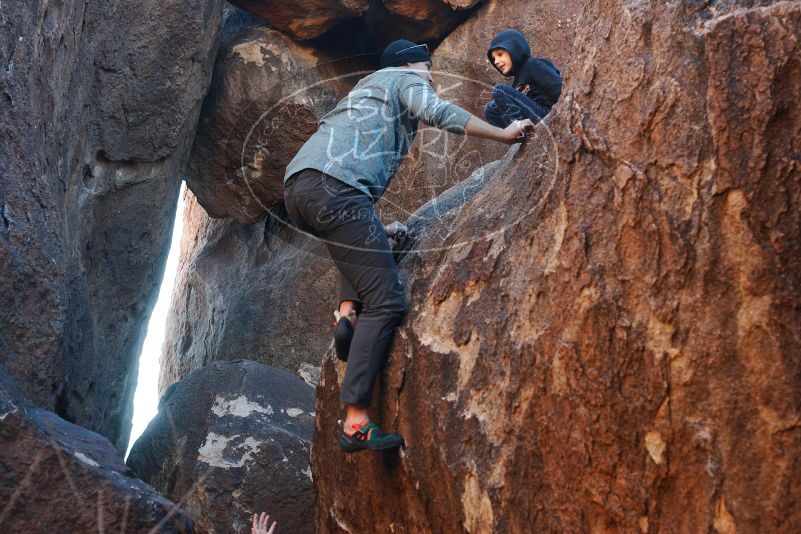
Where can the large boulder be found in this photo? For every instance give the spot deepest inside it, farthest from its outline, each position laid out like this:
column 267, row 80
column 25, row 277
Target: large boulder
column 462, row 74
column 608, row 342
column 232, row 440
column 266, row 97
column 60, row 477
column 262, row 289
column 99, row 105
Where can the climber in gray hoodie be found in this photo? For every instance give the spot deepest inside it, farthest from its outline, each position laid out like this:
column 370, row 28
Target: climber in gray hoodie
column 330, row 188
column 536, row 82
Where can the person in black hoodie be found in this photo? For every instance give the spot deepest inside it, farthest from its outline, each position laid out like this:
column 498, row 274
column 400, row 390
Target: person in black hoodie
column 536, row 84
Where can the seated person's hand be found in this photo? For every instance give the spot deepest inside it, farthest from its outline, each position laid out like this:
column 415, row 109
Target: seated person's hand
column 516, row 131
column 260, row 524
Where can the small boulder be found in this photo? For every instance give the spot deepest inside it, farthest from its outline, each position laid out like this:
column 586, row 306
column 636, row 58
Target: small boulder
column 60, row 477
column 233, row 439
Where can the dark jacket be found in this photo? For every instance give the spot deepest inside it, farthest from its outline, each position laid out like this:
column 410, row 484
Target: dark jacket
column 536, row 77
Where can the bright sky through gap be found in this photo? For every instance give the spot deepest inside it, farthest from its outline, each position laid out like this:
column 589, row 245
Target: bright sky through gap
column 146, row 398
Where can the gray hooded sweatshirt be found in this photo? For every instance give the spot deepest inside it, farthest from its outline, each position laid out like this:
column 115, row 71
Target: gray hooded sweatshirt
column 364, row 139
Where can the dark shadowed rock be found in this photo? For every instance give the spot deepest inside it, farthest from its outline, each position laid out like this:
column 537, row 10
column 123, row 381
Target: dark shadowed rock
column 422, row 21
column 266, row 97
column 304, row 19
column 232, row 440
column 263, row 289
column 611, row 344
column 98, row 105
column 385, row 20
column 60, row 477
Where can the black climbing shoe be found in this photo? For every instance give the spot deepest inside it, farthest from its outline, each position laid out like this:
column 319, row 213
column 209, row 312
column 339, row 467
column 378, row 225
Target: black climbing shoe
column 369, row 437
column 343, row 334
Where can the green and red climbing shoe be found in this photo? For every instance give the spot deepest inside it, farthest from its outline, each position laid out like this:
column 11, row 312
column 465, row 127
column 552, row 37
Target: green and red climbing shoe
column 369, row 437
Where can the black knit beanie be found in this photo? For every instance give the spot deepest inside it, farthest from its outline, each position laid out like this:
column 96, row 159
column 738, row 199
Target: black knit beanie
column 401, row 52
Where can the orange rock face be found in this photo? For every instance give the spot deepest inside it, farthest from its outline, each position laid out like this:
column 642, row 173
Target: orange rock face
column 607, row 337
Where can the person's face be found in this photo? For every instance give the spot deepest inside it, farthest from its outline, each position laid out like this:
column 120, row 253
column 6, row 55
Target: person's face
column 502, row 60
column 422, row 69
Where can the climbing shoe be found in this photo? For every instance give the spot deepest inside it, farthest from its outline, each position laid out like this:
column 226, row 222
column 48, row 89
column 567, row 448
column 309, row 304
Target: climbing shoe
column 369, row 437
column 343, row 335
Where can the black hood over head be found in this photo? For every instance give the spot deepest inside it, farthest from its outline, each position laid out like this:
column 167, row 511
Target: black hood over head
column 513, row 42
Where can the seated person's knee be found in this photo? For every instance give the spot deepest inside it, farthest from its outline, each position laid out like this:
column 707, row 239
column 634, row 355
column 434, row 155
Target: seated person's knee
column 490, row 110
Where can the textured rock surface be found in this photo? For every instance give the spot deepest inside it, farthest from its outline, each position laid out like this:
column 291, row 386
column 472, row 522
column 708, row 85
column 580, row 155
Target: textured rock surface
column 385, row 20
column 265, row 99
column 99, row 103
column 304, row 19
column 231, row 440
column 59, row 477
column 237, row 292
column 616, row 346
column 418, row 20
column 463, row 76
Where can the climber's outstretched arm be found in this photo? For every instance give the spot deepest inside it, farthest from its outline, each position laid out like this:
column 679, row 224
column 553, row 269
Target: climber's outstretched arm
column 417, row 96
column 514, row 133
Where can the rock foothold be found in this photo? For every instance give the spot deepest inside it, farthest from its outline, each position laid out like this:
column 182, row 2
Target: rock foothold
column 266, row 97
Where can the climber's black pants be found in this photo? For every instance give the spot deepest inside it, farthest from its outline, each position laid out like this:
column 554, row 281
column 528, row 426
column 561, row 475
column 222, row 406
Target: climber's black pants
column 346, row 220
